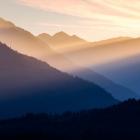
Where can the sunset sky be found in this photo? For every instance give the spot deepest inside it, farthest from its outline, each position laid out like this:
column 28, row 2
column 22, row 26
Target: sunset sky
column 90, row 19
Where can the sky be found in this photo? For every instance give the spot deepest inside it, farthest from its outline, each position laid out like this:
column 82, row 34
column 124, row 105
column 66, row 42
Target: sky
column 90, row 19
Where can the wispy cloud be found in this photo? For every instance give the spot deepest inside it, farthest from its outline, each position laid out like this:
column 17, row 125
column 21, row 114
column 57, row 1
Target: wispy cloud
column 120, row 15
column 88, row 8
column 122, row 10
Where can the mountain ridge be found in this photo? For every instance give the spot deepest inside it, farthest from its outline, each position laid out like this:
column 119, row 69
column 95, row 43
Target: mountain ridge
column 58, row 39
column 26, row 81
column 24, row 42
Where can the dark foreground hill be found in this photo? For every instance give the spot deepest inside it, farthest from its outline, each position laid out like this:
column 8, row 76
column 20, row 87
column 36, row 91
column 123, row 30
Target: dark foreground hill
column 29, row 85
column 119, row 122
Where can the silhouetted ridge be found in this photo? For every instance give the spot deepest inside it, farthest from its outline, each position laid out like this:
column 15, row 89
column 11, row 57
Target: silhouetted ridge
column 118, row 122
column 81, row 53
column 27, row 85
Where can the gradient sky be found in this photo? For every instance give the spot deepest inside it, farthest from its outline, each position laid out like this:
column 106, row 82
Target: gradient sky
column 90, row 19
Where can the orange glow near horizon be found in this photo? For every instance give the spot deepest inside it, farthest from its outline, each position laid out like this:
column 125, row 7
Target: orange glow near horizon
column 100, row 15
column 89, row 19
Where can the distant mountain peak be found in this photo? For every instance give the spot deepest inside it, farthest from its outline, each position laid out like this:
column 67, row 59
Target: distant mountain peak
column 45, row 35
column 61, row 34
column 5, row 24
column 78, row 38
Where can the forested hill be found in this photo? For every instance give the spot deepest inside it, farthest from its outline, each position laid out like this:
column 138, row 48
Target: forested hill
column 118, row 122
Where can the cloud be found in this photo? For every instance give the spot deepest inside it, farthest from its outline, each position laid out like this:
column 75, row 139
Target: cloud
column 87, row 7
column 61, row 6
column 109, row 14
column 99, row 9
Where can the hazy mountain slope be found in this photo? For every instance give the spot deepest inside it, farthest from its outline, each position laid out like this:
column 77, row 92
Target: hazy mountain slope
column 121, row 62
column 26, row 43
column 20, row 40
column 116, row 90
column 61, row 39
column 111, row 41
column 109, row 58
column 27, row 84
column 105, row 53
column 62, row 42
column 23, row 41
column 65, row 43
column 125, row 71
